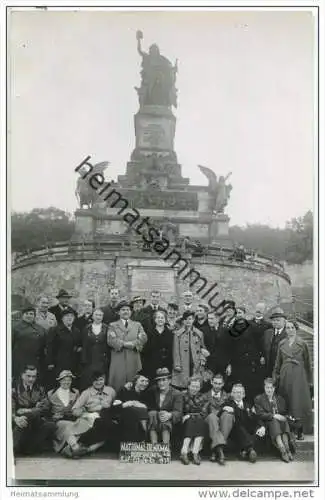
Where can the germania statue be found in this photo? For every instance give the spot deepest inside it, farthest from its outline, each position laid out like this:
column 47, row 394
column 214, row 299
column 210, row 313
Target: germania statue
column 158, row 77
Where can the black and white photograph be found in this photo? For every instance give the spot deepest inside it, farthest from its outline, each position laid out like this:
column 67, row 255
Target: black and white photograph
column 162, row 246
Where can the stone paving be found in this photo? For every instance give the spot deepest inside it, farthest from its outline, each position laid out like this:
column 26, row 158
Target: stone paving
column 93, row 468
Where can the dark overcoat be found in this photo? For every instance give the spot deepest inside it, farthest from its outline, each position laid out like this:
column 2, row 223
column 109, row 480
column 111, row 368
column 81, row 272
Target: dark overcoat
column 62, row 348
column 28, row 347
column 157, row 352
column 95, row 354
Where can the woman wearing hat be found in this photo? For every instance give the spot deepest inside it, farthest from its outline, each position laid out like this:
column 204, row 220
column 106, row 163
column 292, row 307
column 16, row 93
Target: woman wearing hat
column 64, row 344
column 188, row 349
column 137, row 304
column 59, row 403
column 126, row 339
column 293, row 375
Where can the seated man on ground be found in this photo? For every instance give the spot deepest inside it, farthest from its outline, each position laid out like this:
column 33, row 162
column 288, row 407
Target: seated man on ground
column 32, row 433
column 220, row 424
column 245, row 426
column 165, row 406
column 271, row 410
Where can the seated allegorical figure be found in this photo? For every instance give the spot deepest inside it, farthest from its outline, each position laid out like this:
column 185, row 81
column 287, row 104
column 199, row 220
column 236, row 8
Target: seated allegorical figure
column 59, row 403
column 32, row 433
column 245, row 425
column 194, row 425
column 132, row 411
column 165, row 406
column 271, row 410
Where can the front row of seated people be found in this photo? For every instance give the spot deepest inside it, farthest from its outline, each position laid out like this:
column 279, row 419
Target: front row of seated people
column 77, row 424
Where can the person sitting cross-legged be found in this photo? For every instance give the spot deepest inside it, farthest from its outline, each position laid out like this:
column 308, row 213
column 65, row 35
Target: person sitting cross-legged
column 245, row 426
column 195, row 411
column 32, row 432
column 271, row 410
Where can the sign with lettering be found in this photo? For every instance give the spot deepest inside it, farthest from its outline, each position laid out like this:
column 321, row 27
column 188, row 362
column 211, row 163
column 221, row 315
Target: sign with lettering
column 144, row 279
column 145, row 453
column 171, row 200
column 154, row 132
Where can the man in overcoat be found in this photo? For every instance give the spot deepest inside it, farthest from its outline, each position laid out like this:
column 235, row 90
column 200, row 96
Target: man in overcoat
column 110, row 310
column 63, row 303
column 126, row 339
column 272, row 338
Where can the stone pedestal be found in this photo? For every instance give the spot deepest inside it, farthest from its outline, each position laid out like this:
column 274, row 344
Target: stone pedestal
column 154, row 132
column 219, row 228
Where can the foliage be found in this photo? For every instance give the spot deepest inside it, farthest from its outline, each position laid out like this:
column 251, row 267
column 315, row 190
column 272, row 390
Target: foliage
column 293, row 244
column 40, row 228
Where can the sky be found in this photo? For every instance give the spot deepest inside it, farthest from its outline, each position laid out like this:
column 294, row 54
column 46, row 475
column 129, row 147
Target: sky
column 245, row 102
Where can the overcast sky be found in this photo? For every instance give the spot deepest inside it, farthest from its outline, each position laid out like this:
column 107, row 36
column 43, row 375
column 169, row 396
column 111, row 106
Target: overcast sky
column 245, row 102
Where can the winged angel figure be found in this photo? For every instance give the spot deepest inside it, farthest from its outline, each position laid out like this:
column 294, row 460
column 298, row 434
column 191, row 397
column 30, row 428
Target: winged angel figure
column 85, row 194
column 219, row 190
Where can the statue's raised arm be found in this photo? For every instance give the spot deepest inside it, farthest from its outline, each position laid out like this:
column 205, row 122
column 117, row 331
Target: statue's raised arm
column 139, row 38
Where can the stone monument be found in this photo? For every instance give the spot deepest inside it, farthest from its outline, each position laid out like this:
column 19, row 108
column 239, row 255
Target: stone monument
column 106, row 251
column 153, row 181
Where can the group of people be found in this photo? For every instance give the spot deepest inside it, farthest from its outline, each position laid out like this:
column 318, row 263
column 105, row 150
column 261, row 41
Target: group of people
column 150, row 372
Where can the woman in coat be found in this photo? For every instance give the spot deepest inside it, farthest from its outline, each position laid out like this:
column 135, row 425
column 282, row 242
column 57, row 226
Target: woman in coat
column 95, row 351
column 187, row 351
column 59, row 403
column 292, row 372
column 126, row 338
column 132, row 410
column 158, row 351
column 195, row 409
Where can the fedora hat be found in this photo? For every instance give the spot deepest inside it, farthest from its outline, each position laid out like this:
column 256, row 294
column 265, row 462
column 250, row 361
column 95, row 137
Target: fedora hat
column 123, row 303
column 65, row 373
column 162, row 373
column 278, row 313
column 137, row 298
column 63, row 293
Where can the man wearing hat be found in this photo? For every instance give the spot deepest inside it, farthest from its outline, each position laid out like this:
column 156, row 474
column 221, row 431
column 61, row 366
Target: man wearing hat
column 63, row 303
column 126, row 339
column 28, row 343
column 165, row 407
column 64, row 344
column 273, row 337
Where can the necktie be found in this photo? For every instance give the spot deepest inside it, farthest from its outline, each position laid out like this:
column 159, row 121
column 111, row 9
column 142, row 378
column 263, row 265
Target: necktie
column 126, row 323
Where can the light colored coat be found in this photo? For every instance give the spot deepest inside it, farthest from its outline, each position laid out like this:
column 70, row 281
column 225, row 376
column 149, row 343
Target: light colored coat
column 125, row 361
column 184, row 343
